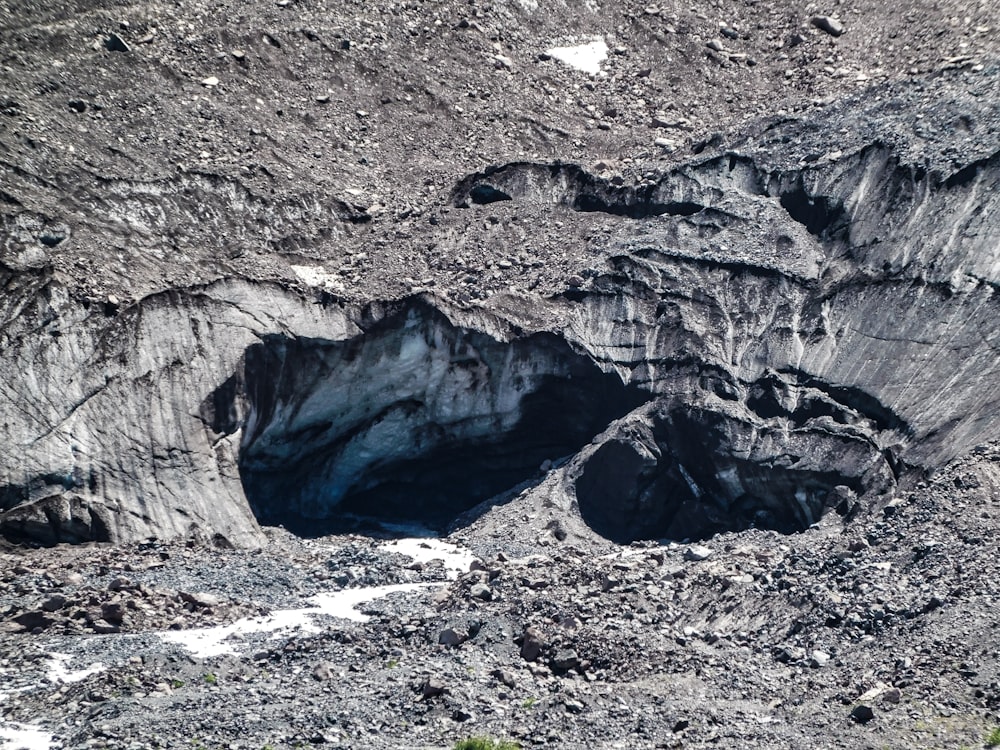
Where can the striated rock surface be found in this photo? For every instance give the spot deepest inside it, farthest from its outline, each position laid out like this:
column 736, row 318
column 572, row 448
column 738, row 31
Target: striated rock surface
column 762, row 334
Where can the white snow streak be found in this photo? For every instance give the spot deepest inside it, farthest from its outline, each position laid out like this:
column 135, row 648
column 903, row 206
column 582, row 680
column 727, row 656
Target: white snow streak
column 587, row 56
column 224, row 639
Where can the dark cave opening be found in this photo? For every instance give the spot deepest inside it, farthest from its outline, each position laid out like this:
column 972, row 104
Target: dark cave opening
column 640, row 206
column 681, row 472
column 485, row 194
column 822, row 216
column 415, row 422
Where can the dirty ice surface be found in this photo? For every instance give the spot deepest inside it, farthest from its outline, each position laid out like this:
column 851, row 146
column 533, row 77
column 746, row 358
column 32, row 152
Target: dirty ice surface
column 586, row 56
column 226, row 639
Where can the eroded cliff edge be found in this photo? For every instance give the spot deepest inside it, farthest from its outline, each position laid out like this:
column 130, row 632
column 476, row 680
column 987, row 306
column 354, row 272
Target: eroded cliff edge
column 768, row 332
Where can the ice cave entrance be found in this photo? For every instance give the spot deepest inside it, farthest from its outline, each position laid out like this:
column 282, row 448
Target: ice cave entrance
column 415, row 422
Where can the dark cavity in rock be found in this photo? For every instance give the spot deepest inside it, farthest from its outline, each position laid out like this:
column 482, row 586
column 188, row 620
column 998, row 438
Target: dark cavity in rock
column 483, row 194
column 417, row 420
column 678, row 471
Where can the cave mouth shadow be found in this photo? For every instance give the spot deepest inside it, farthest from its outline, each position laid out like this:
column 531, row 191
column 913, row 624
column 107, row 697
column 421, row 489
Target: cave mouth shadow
column 403, row 430
column 687, row 473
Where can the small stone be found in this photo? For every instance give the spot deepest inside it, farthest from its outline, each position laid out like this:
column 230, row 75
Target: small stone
column 54, row 602
column 573, row 706
column 238, row 54
column 531, row 644
column 830, row 25
column 324, row 671
column 323, row 99
column 77, row 105
column 715, row 45
column 120, row 583
column 452, row 637
column 114, row 43
column 103, row 627
column 481, row 591
column 862, row 714
column 967, row 482
column 697, row 553
column 113, row 612
column 819, row 658
column 565, row 659
column 201, row 599
column 432, row 687
column 575, row 281
column 210, row 81
column 794, row 40
column 502, row 61
column 505, row 676
column 661, row 120
column 729, row 32
column 892, row 695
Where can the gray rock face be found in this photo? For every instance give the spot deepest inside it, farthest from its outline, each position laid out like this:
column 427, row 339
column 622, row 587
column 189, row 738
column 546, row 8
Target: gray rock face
column 114, row 422
column 763, row 342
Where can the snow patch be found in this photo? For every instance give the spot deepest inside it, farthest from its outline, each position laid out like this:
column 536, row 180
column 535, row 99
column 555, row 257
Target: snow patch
column 456, row 560
column 318, row 276
column 24, row 737
column 203, row 643
column 58, row 673
column 342, row 603
column 625, row 554
column 586, row 56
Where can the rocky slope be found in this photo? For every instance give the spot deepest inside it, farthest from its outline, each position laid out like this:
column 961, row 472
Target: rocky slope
column 568, row 283
column 883, row 635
